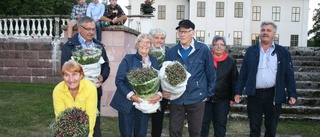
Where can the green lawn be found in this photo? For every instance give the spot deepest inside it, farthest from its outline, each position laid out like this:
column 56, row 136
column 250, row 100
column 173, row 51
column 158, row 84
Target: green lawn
column 26, row 111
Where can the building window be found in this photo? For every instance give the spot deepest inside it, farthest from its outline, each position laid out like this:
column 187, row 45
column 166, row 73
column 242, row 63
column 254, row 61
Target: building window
column 200, row 35
column 276, row 13
column 180, row 12
column 220, row 33
column 254, row 39
column 276, row 39
column 294, row 40
column 201, row 9
column 256, row 13
column 238, row 9
column 295, row 17
column 220, row 9
column 237, row 38
column 161, row 12
column 177, row 37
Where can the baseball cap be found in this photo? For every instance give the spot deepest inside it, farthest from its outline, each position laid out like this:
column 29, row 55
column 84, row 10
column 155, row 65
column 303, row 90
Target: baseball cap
column 185, row 24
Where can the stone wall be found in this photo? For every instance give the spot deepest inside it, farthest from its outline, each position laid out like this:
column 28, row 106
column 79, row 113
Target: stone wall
column 38, row 60
column 28, row 61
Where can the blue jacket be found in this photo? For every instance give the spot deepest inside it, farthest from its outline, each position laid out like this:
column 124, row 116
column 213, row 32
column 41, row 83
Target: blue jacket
column 66, row 53
column 199, row 64
column 129, row 62
column 284, row 77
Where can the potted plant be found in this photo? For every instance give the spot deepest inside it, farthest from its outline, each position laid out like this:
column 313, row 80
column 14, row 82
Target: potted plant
column 147, row 7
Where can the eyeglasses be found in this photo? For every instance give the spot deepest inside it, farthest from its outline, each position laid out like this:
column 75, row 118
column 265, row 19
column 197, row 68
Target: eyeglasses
column 221, row 45
column 88, row 29
column 184, row 32
column 145, row 43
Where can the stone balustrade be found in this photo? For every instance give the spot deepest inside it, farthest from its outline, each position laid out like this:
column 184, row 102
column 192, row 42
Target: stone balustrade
column 32, row 26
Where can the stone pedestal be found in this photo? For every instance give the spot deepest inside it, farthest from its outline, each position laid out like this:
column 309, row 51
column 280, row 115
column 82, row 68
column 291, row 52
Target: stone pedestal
column 118, row 41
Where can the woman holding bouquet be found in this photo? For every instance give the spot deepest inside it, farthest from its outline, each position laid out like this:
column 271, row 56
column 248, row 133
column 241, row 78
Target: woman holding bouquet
column 75, row 91
column 217, row 107
column 132, row 120
column 159, row 38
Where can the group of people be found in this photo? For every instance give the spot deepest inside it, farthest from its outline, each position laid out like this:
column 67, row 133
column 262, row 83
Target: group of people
column 214, row 86
column 102, row 15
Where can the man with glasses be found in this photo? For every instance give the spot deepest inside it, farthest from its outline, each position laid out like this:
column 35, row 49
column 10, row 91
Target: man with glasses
column 85, row 39
column 267, row 75
column 78, row 11
column 197, row 59
column 95, row 10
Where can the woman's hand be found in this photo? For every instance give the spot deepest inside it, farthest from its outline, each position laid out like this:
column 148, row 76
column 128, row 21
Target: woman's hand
column 135, row 98
column 154, row 99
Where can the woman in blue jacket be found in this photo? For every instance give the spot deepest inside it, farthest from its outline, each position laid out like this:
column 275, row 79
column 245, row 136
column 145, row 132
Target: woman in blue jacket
column 131, row 119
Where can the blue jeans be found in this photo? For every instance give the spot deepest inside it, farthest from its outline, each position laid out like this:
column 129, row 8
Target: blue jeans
column 98, row 30
column 135, row 121
column 218, row 113
column 259, row 105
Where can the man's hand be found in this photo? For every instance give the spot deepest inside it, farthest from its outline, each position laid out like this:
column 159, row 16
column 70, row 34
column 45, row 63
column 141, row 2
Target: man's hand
column 237, row 99
column 292, row 101
column 78, row 17
column 99, row 82
column 166, row 95
column 232, row 103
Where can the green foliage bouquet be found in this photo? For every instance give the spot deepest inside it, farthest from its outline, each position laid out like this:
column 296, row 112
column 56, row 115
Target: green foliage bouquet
column 144, row 81
column 73, row 122
column 86, row 56
column 159, row 55
column 90, row 59
column 174, row 78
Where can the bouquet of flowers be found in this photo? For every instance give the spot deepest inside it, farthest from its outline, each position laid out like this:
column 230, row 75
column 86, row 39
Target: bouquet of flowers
column 90, row 60
column 144, row 81
column 146, row 84
column 174, row 78
column 73, row 122
column 159, row 55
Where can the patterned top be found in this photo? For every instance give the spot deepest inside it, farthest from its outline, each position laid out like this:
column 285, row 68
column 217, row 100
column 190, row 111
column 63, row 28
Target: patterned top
column 78, row 10
column 108, row 12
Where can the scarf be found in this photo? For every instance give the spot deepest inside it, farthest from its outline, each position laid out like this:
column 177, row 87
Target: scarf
column 216, row 60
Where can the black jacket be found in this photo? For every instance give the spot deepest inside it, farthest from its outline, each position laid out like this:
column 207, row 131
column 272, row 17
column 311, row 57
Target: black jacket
column 227, row 75
column 66, row 53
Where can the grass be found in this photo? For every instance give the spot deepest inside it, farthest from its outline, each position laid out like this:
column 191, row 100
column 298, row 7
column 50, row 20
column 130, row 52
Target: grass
column 26, row 110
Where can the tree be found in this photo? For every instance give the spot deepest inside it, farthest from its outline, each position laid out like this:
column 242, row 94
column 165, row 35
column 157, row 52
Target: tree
column 36, row 7
column 315, row 40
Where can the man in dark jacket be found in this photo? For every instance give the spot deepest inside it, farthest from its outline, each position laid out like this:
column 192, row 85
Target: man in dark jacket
column 84, row 38
column 197, row 59
column 268, row 75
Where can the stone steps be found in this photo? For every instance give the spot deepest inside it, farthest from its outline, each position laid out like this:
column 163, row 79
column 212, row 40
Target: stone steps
column 283, row 117
column 308, row 84
column 286, row 109
column 306, row 63
column 307, row 76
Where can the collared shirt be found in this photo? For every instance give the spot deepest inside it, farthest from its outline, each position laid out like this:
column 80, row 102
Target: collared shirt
column 84, row 43
column 95, row 10
column 78, row 10
column 191, row 44
column 267, row 68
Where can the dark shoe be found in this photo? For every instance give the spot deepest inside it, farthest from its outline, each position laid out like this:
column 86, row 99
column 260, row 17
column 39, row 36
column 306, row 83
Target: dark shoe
column 106, row 24
column 120, row 22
